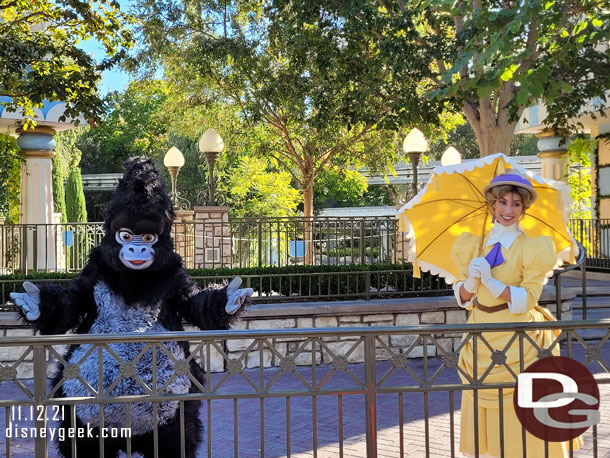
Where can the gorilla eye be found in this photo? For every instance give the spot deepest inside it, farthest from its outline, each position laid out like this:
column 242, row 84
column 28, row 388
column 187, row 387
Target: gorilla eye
column 149, row 238
column 125, row 236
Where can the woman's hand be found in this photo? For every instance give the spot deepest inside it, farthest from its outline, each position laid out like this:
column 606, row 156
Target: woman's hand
column 480, row 268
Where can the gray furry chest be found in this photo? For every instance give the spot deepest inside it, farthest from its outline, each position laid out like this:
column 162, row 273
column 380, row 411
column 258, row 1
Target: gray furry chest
column 115, row 316
column 127, row 368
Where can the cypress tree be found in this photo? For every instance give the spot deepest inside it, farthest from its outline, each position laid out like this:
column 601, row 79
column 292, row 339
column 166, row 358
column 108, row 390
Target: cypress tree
column 10, row 178
column 59, row 193
column 75, row 197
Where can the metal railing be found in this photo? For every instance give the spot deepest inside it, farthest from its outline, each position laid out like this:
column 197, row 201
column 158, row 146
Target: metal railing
column 594, row 234
column 320, row 397
column 307, row 286
column 251, row 242
column 240, row 242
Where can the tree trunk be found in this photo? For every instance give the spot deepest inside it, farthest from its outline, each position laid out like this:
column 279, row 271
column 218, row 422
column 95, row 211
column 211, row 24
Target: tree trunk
column 308, row 226
column 493, row 131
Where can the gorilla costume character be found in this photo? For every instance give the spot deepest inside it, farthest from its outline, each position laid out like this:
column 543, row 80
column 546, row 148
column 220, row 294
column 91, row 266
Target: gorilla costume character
column 133, row 282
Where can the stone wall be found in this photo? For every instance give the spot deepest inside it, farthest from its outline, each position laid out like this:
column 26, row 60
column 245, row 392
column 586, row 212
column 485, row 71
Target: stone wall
column 359, row 313
column 212, row 237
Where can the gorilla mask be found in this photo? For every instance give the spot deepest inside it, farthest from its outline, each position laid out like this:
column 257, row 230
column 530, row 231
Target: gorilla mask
column 138, row 221
column 137, row 236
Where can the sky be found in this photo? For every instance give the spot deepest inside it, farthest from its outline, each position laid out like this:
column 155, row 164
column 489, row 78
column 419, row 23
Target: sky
column 115, row 79
column 112, row 80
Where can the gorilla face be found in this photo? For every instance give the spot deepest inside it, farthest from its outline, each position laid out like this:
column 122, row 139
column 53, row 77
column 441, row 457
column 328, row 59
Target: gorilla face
column 137, row 251
column 136, row 242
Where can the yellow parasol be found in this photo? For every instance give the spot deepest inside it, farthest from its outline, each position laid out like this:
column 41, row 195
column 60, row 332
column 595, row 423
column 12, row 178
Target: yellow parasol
column 452, row 202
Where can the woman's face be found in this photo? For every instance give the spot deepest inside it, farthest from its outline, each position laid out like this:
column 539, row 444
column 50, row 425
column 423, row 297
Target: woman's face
column 508, row 208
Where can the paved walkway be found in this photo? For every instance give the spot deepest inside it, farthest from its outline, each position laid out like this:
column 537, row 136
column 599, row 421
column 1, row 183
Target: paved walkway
column 273, row 410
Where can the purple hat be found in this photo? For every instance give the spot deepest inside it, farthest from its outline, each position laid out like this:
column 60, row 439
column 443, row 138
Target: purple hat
column 511, row 179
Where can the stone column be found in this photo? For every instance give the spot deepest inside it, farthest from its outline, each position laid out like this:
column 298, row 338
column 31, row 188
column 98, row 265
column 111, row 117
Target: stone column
column 601, row 174
column 184, row 237
column 553, row 156
column 212, row 237
column 37, row 196
column 600, row 180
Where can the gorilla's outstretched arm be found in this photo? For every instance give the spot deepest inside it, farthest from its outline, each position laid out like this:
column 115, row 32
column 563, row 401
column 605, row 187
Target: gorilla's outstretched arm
column 60, row 308
column 207, row 308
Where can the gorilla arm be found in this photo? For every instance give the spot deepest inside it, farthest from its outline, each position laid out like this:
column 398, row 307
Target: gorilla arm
column 205, row 308
column 63, row 308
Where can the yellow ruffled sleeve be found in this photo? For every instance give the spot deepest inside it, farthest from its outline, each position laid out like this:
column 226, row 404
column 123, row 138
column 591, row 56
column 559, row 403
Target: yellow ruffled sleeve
column 464, row 250
column 538, row 259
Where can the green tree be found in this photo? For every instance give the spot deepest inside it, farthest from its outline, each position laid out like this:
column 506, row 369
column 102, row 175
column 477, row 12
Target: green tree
column 10, row 178
column 75, row 197
column 579, row 179
column 134, row 124
column 323, row 104
column 340, row 188
column 41, row 59
column 508, row 56
column 59, row 192
column 256, row 189
column 464, row 139
column 67, row 157
column 488, row 59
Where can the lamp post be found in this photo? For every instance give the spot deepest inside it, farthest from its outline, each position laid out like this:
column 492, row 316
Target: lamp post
column 451, row 156
column 173, row 160
column 414, row 145
column 211, row 145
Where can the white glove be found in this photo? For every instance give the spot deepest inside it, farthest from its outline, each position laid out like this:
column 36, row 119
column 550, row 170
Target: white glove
column 471, row 285
column 29, row 301
column 235, row 296
column 480, row 268
column 495, row 287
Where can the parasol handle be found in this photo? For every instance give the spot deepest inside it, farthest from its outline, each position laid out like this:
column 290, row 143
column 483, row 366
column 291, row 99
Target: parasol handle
column 481, row 247
column 483, row 231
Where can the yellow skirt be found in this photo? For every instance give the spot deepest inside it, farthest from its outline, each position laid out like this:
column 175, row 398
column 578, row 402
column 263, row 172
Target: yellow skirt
column 488, row 400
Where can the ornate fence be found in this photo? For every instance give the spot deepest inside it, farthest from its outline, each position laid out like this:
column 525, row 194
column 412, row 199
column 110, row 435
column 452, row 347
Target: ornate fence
column 251, row 242
column 594, row 234
column 263, row 397
column 240, row 242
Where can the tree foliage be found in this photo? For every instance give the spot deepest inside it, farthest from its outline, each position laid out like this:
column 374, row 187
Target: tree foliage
column 256, row 189
column 41, row 59
column 509, row 56
column 133, row 124
column 579, row 179
column 10, row 178
column 75, row 197
column 59, row 192
column 323, row 104
column 67, row 157
column 488, row 59
column 340, row 188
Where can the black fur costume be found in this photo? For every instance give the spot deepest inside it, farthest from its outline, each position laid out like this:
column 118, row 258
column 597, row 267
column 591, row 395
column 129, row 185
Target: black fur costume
column 108, row 297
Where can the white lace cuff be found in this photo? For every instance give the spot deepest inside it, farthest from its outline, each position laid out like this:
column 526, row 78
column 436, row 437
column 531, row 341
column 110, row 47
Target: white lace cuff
column 518, row 303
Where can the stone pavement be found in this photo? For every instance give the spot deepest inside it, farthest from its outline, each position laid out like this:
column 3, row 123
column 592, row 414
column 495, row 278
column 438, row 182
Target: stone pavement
column 327, row 415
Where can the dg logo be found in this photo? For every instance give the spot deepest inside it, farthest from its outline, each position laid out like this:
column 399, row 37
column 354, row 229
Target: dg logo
column 557, row 399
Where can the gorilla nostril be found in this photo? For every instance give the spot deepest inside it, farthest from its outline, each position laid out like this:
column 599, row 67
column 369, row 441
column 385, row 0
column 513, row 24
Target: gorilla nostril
column 130, row 249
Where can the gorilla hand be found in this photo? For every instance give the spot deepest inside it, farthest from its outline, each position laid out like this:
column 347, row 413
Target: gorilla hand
column 28, row 301
column 235, row 296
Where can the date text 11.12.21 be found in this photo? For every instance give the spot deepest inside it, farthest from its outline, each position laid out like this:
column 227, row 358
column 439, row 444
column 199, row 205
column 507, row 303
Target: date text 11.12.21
column 37, row 413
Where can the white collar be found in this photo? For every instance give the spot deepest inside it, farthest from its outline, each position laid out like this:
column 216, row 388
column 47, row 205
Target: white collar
column 506, row 235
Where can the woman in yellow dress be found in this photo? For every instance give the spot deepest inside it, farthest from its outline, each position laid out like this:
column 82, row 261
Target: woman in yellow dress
column 503, row 286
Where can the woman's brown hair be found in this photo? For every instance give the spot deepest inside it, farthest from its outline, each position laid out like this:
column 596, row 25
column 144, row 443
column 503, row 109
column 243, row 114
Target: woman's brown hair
column 497, row 192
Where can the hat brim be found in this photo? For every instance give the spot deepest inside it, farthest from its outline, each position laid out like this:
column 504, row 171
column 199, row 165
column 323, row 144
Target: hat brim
column 529, row 189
